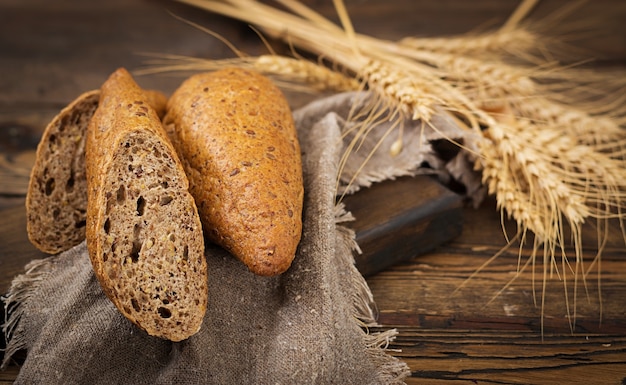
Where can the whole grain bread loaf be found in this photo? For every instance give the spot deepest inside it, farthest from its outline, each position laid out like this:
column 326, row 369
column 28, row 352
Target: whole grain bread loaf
column 234, row 130
column 56, row 200
column 143, row 232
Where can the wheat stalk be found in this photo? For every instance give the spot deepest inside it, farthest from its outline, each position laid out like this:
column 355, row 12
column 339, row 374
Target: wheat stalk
column 293, row 73
column 511, row 42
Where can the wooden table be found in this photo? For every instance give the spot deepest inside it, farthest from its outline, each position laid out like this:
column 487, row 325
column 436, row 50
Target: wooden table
column 52, row 51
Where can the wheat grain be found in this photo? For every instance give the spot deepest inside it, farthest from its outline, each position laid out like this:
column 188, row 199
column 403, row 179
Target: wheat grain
column 510, row 42
column 409, row 93
column 316, row 75
column 496, row 78
column 292, row 72
column 519, row 167
column 571, row 121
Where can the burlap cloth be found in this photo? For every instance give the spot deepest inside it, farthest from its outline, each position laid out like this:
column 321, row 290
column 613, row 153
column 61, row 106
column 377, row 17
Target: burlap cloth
column 307, row 326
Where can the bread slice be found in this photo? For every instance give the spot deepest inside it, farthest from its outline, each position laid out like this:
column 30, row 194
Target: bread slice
column 143, row 233
column 56, row 201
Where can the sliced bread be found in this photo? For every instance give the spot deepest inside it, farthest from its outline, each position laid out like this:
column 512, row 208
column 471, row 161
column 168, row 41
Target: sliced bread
column 56, row 201
column 143, row 232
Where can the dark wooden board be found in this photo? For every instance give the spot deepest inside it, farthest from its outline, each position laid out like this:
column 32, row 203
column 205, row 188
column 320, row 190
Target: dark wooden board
column 16, row 251
column 397, row 220
column 463, row 332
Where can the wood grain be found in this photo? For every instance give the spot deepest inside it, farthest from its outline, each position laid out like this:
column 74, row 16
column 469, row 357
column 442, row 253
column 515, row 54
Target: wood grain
column 484, row 357
column 451, row 330
column 16, row 251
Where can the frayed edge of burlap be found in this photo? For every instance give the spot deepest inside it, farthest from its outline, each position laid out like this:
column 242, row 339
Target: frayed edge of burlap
column 15, row 301
column 391, row 370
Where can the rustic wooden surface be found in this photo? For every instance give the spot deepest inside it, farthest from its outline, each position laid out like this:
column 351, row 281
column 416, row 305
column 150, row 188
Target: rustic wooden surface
column 450, row 330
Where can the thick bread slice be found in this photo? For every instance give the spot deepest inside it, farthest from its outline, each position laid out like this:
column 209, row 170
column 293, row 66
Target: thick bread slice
column 144, row 235
column 234, row 130
column 56, row 201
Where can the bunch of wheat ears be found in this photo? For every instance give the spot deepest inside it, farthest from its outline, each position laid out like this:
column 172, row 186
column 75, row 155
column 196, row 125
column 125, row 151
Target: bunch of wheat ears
column 552, row 139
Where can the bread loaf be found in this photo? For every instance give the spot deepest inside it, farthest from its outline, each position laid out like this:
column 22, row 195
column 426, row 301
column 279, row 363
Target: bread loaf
column 56, row 200
column 235, row 134
column 143, row 232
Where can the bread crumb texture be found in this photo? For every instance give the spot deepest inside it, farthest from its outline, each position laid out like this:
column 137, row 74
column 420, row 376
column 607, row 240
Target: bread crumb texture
column 144, row 234
column 147, row 230
column 56, row 201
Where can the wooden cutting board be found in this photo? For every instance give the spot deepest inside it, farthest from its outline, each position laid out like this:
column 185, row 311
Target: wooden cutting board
column 397, row 220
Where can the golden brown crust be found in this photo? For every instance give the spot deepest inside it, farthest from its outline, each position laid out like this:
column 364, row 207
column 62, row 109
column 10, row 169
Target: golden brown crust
column 236, row 135
column 144, row 235
column 157, row 100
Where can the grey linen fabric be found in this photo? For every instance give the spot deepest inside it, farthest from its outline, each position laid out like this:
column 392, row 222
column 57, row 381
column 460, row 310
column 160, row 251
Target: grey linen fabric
column 303, row 327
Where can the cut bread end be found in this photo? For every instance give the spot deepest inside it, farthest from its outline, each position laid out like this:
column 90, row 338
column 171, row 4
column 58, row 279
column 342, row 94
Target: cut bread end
column 150, row 258
column 56, row 201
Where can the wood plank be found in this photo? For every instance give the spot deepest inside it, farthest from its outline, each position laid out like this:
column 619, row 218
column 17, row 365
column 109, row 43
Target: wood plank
column 484, row 357
column 397, row 220
column 15, row 172
column 597, row 25
column 7, row 377
column 447, row 335
column 59, row 49
column 115, row 33
column 16, row 250
column 432, row 290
